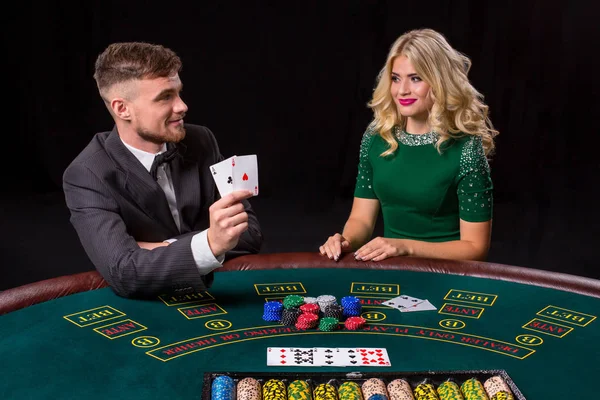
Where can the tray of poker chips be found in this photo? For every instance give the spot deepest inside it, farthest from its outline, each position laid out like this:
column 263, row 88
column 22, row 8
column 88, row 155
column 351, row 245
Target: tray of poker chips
column 424, row 385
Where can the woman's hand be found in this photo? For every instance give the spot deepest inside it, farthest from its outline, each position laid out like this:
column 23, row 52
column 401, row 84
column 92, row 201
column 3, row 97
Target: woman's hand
column 334, row 246
column 381, row 248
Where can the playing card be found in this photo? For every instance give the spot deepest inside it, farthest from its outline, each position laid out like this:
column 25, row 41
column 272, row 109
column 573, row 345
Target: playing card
column 373, row 356
column 423, row 306
column 222, row 173
column 290, row 356
column 245, row 173
column 279, row 356
column 331, row 356
column 303, row 356
column 402, row 302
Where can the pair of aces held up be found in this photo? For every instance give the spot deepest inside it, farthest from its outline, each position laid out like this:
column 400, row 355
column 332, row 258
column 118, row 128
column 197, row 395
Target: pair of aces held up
column 236, row 173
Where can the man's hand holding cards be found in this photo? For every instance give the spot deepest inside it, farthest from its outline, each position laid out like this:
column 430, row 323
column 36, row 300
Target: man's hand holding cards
column 236, row 173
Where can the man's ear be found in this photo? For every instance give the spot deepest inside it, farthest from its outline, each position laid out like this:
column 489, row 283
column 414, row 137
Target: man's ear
column 120, row 108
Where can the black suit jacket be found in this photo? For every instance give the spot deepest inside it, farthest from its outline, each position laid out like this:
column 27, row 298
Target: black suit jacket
column 114, row 202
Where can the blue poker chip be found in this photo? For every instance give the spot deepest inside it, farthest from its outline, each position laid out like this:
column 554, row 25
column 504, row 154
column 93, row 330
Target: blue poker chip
column 349, row 301
column 352, row 306
column 271, row 317
column 272, row 311
column 378, row 396
column 273, row 306
column 223, row 388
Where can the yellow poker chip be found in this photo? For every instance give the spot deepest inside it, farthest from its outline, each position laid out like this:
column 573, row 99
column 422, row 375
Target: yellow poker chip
column 503, row 395
column 299, row 390
column 426, row 391
column 449, row 390
column 325, row 391
column 274, row 389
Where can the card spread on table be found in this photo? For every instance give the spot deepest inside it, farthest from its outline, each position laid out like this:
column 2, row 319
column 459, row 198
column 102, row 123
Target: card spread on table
column 328, row 356
column 236, row 173
column 405, row 303
column 290, row 356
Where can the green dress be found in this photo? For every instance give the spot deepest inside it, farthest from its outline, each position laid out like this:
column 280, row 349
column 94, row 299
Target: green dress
column 423, row 193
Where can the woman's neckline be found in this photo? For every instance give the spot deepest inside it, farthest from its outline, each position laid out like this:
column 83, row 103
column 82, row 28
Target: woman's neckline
column 415, row 139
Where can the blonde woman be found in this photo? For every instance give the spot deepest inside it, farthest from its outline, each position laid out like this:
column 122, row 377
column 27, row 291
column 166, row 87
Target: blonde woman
column 423, row 160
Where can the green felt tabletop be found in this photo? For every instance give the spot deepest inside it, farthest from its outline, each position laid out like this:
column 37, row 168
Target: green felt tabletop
column 96, row 345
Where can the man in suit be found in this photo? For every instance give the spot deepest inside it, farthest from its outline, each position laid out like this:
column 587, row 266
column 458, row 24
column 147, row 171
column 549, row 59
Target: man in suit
column 141, row 197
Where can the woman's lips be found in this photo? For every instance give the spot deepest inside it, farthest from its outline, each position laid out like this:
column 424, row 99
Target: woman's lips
column 406, row 102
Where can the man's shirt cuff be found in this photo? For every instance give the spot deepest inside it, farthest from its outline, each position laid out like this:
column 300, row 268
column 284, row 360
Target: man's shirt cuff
column 204, row 257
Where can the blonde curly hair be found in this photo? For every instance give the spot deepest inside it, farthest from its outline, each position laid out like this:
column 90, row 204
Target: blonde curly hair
column 458, row 108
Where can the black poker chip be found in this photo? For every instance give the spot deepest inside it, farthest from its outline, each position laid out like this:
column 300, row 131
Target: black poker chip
column 334, row 311
column 289, row 316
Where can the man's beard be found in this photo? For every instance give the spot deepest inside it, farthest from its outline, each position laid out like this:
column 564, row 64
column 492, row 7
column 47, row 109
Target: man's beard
column 156, row 138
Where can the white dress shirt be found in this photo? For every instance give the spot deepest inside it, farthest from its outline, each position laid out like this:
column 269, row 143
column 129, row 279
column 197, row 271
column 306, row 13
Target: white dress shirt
column 204, row 257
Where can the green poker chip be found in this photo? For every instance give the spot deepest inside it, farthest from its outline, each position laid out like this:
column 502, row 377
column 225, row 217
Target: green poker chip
column 328, row 324
column 293, row 300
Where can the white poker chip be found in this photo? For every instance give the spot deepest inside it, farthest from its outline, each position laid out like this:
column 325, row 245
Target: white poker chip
column 310, row 300
column 326, row 300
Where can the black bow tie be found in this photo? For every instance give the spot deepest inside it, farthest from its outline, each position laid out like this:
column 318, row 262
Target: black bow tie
column 162, row 158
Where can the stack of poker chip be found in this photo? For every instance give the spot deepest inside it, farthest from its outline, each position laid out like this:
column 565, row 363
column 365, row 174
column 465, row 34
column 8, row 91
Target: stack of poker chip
column 293, row 301
column 325, row 301
column 449, row 390
column 310, row 308
column 425, row 391
column 311, row 300
column 495, row 386
column 325, row 391
column 289, row 316
column 272, row 311
column 307, row 321
column 355, row 323
column 334, row 310
column 399, row 389
column 473, row 390
column 351, row 305
column 374, row 389
column 299, row 390
column 274, row 389
column 350, row 391
column 249, row 389
column 223, row 388
column 328, row 324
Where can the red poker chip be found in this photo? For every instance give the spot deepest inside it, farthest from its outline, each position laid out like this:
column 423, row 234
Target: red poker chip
column 307, row 317
column 307, row 321
column 310, row 308
column 304, row 326
column 359, row 320
column 354, row 323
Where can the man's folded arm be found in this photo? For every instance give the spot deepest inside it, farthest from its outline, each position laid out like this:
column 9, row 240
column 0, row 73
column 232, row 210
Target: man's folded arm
column 130, row 270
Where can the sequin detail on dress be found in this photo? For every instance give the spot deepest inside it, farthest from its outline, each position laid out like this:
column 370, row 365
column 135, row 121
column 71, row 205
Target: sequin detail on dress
column 409, row 139
column 365, row 172
column 474, row 190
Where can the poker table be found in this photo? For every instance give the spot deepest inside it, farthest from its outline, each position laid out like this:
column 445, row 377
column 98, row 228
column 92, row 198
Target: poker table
column 72, row 337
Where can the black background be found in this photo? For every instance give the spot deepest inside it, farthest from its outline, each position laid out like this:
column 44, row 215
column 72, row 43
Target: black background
column 289, row 81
